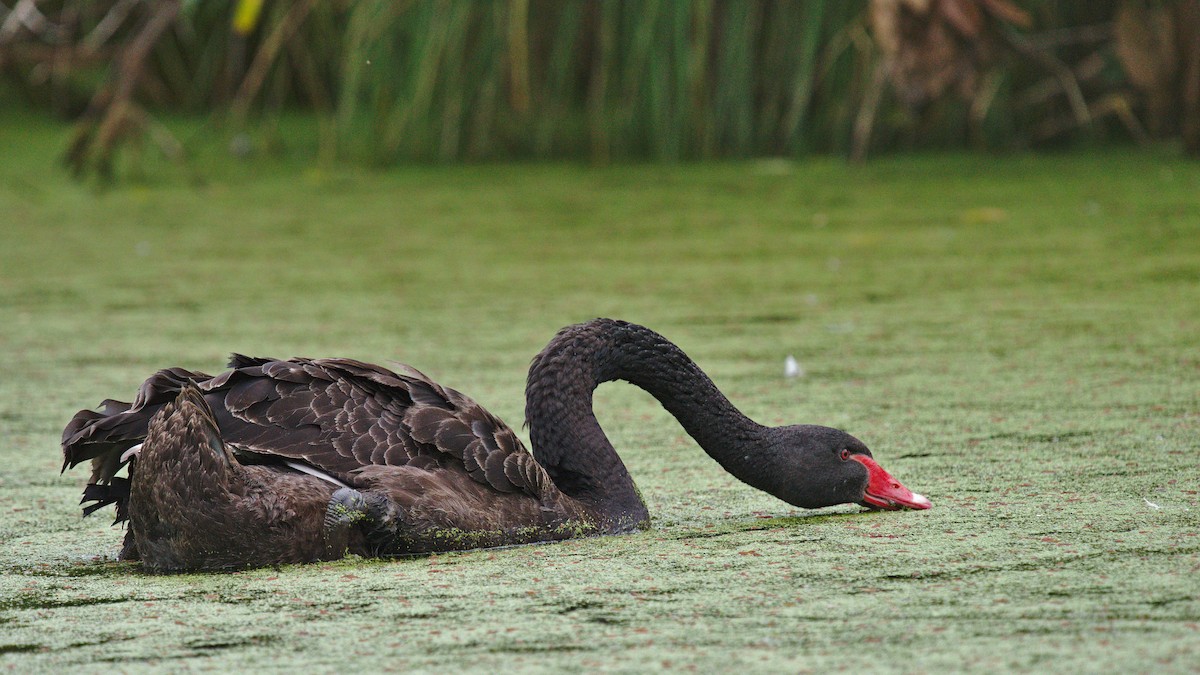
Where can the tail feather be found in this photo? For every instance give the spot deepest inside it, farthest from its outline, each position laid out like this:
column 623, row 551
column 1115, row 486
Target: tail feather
column 103, row 437
column 116, row 492
column 91, row 435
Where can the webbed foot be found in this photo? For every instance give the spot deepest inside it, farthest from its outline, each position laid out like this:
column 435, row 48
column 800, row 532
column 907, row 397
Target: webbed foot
column 349, row 509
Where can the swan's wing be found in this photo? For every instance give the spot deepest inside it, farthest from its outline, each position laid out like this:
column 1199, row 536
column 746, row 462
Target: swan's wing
column 333, row 414
column 460, row 428
column 432, row 424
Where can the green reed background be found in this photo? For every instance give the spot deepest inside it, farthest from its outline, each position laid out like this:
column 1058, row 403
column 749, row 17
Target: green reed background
column 668, row 80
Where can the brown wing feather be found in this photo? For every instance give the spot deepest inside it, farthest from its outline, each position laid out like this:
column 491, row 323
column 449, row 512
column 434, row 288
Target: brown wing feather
column 335, row 414
column 457, row 426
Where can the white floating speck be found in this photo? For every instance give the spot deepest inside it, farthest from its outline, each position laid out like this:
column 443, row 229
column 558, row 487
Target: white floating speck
column 792, row 367
column 1151, row 504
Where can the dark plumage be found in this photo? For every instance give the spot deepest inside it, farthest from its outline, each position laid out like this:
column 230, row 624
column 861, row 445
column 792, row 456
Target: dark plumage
column 428, row 469
column 192, row 505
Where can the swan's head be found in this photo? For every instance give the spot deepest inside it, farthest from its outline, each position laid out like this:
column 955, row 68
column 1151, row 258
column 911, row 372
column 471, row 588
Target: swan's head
column 816, row 466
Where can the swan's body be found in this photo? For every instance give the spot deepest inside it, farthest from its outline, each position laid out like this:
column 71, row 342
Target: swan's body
column 428, row 469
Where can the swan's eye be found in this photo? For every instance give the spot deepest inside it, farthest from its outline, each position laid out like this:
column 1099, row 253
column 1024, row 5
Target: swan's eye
column 845, row 454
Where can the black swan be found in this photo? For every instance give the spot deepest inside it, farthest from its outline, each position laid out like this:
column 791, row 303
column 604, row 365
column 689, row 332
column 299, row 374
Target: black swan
column 404, row 465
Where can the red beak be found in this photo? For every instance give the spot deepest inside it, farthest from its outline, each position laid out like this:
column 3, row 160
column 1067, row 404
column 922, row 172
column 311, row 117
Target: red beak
column 885, row 492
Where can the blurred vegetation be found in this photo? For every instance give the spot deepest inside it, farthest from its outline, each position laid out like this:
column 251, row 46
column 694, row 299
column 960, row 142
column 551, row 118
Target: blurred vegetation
column 443, row 80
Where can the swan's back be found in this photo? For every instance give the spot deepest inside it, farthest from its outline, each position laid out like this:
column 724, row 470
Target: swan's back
column 334, row 415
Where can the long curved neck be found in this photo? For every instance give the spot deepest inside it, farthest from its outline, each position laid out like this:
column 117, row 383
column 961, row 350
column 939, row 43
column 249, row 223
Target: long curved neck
column 567, row 439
